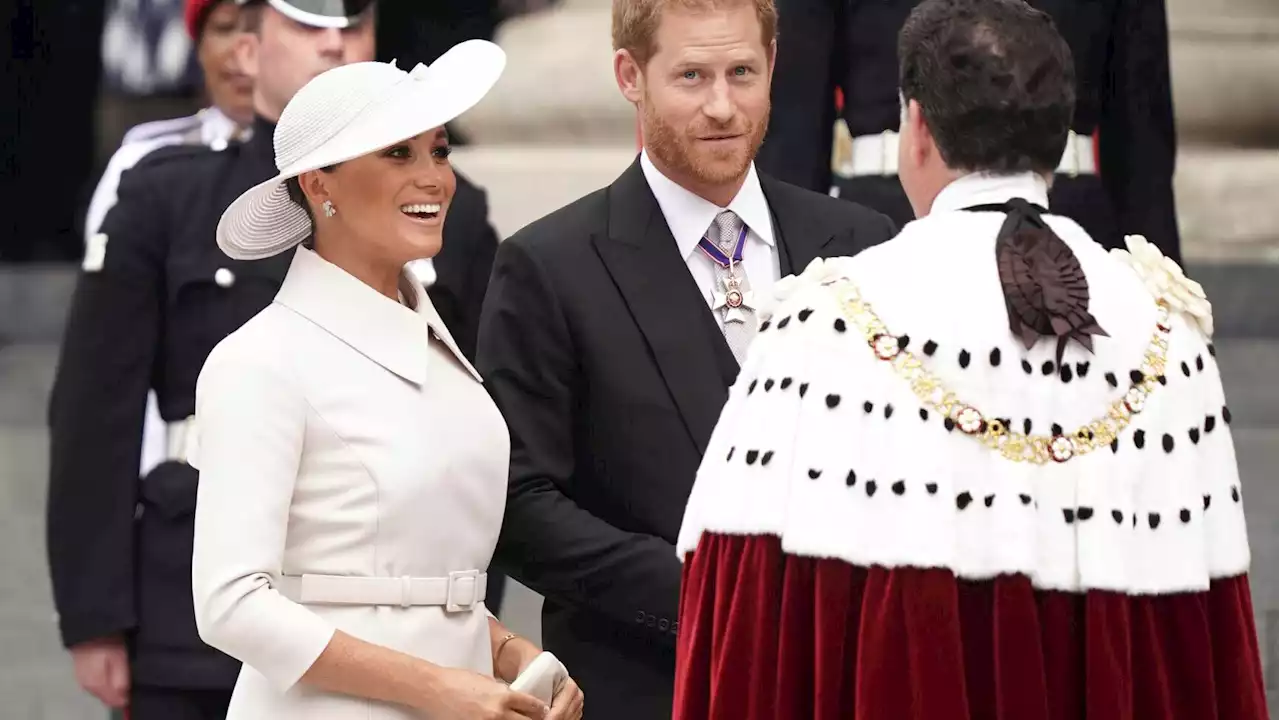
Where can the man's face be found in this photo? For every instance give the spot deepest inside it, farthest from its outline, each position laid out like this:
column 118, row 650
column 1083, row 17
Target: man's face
column 288, row 54
column 704, row 95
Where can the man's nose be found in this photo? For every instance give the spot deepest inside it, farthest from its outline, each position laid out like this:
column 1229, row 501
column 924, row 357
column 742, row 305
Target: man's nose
column 330, row 41
column 719, row 105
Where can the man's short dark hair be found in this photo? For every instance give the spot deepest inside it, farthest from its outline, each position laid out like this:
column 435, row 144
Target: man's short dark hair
column 995, row 81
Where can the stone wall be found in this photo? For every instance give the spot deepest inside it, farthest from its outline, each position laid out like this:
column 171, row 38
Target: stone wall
column 1223, row 59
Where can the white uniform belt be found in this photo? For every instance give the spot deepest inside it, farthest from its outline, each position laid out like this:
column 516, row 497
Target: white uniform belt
column 878, row 154
column 461, row 590
column 180, row 440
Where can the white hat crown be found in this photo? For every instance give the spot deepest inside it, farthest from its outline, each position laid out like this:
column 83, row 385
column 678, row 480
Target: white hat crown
column 329, row 103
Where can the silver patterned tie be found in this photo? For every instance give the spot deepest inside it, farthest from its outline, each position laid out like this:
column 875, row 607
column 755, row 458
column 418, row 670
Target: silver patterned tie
column 736, row 313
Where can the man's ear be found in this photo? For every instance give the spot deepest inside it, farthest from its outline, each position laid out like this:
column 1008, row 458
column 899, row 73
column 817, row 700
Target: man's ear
column 922, row 146
column 629, row 76
column 773, row 59
column 246, row 54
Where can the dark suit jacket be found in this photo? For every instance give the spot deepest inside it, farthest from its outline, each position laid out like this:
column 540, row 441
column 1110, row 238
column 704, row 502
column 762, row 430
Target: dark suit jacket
column 611, row 372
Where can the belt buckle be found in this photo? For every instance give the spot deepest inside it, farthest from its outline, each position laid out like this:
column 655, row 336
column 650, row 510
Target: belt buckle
column 449, row 604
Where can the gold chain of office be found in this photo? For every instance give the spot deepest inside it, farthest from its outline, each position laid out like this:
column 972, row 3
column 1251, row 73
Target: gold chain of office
column 1013, row 445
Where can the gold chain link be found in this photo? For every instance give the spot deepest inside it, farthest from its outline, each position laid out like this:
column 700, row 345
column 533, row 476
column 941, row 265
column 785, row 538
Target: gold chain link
column 993, row 433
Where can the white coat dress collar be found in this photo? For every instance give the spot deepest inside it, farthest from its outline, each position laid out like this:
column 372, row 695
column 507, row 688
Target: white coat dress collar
column 383, row 330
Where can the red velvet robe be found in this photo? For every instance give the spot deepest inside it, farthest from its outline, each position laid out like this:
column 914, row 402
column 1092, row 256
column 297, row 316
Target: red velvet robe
column 767, row 635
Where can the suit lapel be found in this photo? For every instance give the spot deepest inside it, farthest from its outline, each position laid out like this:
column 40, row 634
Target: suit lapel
column 640, row 254
column 801, row 236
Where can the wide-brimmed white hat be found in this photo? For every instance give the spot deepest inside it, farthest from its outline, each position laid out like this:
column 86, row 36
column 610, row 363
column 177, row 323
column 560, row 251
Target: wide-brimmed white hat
column 342, row 114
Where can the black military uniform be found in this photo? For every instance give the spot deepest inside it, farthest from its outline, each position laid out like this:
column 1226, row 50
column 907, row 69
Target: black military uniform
column 1121, row 53
column 145, row 315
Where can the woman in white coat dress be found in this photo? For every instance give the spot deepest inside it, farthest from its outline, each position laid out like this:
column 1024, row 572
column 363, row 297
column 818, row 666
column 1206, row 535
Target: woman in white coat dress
column 352, row 466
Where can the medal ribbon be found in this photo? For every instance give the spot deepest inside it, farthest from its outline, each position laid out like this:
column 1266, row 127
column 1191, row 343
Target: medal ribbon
column 717, row 255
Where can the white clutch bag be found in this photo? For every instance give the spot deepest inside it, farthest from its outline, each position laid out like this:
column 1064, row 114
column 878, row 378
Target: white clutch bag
column 542, row 677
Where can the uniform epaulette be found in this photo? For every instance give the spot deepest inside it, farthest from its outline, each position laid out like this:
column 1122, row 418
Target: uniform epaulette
column 160, row 128
column 170, row 153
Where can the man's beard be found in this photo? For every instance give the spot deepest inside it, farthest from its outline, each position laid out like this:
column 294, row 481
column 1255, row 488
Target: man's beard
column 678, row 150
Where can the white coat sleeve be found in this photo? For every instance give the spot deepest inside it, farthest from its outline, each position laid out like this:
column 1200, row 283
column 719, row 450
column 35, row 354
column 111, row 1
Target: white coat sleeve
column 251, row 421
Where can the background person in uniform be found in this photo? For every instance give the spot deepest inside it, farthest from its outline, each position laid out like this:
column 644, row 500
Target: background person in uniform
column 353, row 467
column 613, row 329
column 214, row 27
column 939, row 528
column 148, row 308
column 1121, row 54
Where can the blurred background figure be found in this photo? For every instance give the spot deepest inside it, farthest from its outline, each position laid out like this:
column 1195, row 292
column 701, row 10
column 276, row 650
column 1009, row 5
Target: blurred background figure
column 1121, row 54
column 154, row 296
column 213, row 25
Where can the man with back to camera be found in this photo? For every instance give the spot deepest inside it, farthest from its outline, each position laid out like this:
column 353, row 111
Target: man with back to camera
column 150, row 304
column 944, row 532
column 614, row 326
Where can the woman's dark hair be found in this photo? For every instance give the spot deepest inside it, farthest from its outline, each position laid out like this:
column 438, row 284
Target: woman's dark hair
column 995, row 81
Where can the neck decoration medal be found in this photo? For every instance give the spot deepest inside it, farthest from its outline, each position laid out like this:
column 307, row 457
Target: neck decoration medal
column 732, row 299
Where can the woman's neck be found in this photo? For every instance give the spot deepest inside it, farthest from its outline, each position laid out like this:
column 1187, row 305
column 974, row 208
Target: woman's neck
column 382, row 276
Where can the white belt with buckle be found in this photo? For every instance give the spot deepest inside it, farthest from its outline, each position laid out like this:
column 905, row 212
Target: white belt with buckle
column 878, row 154
column 462, row 590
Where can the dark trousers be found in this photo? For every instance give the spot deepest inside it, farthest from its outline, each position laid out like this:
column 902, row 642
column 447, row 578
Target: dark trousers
column 157, row 703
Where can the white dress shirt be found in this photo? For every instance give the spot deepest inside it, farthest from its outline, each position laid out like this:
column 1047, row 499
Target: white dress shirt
column 690, row 216
column 340, row 433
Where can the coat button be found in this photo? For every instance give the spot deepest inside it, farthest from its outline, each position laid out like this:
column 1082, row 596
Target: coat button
column 651, row 620
column 224, row 277
column 640, row 617
column 663, row 624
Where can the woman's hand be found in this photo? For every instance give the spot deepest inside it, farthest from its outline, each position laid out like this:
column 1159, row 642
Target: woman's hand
column 465, row 695
column 567, row 703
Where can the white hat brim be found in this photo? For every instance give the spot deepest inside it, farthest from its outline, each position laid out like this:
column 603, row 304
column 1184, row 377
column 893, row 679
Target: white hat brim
column 264, row 221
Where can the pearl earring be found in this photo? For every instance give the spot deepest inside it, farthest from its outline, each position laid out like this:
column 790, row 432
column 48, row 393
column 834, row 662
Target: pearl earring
column 329, row 210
